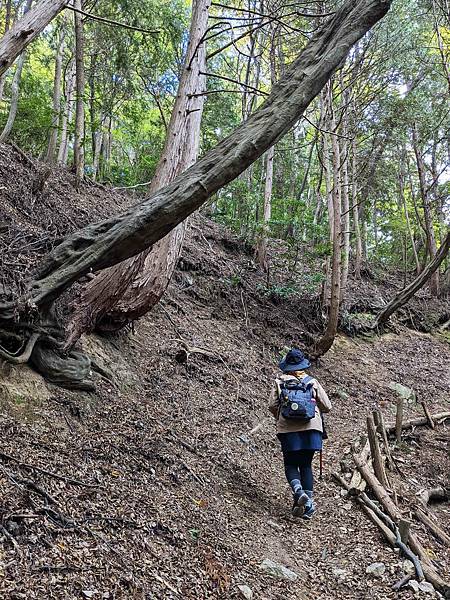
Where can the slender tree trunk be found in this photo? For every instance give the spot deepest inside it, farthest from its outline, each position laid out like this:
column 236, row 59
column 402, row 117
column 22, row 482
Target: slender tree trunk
column 428, row 218
column 78, row 149
column 15, row 88
column 355, row 209
column 326, row 341
column 67, row 114
column 26, row 29
column 261, row 247
column 110, row 241
column 408, row 292
column 148, row 275
column 53, row 138
column 401, row 188
column 344, row 153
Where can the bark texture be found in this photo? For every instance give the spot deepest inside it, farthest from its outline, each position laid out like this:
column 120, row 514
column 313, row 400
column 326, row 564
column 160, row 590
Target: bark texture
column 108, row 242
column 26, row 29
column 130, row 289
column 78, row 148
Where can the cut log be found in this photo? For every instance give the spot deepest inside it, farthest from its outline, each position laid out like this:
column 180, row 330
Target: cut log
column 377, row 458
column 399, row 420
column 433, row 527
column 428, row 416
column 421, row 421
column 381, row 428
column 392, row 510
column 428, row 570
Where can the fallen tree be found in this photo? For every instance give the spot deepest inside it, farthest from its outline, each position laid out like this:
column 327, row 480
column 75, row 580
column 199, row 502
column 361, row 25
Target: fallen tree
column 113, row 240
column 408, row 292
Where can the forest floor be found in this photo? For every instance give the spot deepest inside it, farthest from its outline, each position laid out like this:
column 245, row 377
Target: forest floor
column 155, row 486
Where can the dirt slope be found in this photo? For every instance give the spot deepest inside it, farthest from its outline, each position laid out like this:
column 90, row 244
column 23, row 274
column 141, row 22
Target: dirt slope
column 155, row 488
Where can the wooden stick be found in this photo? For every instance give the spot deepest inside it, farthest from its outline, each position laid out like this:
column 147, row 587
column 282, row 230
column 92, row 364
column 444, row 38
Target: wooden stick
column 399, row 420
column 428, row 415
column 433, row 527
column 428, row 570
column 392, row 510
column 381, row 428
column 420, row 421
column 377, row 459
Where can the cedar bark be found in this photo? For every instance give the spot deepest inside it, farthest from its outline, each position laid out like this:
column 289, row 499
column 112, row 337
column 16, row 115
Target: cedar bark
column 129, row 290
column 7, row 26
column 110, row 241
column 63, row 150
column 78, row 149
column 26, row 29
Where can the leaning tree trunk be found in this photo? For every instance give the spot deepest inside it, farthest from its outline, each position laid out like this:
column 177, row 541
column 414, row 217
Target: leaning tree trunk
column 129, row 290
column 409, row 291
column 26, row 29
column 78, row 148
column 15, row 90
column 110, row 241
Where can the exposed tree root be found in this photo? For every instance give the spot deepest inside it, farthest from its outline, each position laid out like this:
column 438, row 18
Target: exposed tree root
column 72, row 371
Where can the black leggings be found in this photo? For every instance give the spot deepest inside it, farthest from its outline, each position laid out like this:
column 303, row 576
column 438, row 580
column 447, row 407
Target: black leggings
column 297, row 465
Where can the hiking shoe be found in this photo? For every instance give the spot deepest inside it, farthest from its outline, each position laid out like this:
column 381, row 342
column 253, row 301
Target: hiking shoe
column 309, row 511
column 300, row 499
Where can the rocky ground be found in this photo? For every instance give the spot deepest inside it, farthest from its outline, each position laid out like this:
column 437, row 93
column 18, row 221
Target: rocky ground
column 167, row 482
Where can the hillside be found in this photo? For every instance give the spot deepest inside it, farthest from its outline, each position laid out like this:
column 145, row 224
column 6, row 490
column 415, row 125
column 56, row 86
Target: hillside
column 167, row 482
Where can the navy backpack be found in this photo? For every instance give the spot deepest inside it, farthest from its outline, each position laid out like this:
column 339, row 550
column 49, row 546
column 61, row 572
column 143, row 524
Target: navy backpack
column 296, row 399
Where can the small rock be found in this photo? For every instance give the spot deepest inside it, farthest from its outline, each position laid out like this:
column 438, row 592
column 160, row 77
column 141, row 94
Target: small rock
column 426, row 587
column 278, row 571
column 408, row 567
column 340, row 573
column 413, row 585
column 376, row 569
column 275, row 525
column 342, row 395
column 246, row 592
column 404, row 392
column 244, row 439
column 89, row 593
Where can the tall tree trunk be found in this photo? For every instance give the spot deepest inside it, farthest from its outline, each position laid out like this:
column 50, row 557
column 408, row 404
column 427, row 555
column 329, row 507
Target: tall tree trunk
column 115, row 239
column 261, row 246
column 326, row 341
column 67, row 115
column 131, row 289
column 409, row 291
column 401, row 189
column 53, row 137
column 78, row 149
column 26, row 29
column 428, row 217
column 355, row 208
column 15, row 88
column 344, row 154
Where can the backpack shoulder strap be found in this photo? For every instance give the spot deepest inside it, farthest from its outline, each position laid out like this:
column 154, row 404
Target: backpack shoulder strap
column 308, row 380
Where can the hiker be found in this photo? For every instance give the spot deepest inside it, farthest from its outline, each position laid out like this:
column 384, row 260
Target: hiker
column 297, row 403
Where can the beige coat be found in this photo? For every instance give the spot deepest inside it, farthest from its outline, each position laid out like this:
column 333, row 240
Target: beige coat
column 323, row 404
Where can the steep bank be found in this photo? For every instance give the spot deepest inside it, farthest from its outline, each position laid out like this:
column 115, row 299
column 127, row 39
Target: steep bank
column 154, row 487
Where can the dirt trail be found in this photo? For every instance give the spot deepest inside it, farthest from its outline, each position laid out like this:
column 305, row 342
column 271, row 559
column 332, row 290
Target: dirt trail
column 154, row 487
